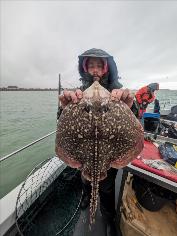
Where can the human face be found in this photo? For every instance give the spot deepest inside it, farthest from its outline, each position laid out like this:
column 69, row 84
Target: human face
column 95, row 68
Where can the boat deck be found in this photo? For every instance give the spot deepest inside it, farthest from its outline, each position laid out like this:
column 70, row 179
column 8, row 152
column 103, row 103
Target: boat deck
column 99, row 228
column 54, row 213
column 82, row 227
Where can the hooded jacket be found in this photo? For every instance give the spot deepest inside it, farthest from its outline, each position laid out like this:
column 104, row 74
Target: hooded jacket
column 146, row 93
column 153, row 86
column 109, row 81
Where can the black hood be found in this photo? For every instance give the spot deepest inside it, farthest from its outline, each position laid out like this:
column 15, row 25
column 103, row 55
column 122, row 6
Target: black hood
column 109, row 80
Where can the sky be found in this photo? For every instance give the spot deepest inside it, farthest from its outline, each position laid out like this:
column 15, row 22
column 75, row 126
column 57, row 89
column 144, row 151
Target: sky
column 40, row 39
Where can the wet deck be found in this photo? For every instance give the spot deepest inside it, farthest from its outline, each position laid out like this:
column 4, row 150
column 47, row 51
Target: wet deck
column 99, row 228
column 82, row 227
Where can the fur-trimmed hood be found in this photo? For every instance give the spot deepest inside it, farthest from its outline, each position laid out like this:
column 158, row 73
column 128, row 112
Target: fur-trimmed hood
column 110, row 80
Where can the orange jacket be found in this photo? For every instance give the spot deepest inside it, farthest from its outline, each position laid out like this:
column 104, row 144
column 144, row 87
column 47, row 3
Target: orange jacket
column 144, row 95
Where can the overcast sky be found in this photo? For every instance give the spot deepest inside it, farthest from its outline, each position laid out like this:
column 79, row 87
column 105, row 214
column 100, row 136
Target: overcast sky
column 40, row 39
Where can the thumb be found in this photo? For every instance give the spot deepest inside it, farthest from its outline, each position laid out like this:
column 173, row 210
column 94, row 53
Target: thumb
column 63, row 101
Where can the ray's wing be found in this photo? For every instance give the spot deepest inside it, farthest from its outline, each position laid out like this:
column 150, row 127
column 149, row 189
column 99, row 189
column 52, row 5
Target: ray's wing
column 121, row 136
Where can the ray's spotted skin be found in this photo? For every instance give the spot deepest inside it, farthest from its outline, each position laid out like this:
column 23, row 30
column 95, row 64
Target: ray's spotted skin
column 97, row 134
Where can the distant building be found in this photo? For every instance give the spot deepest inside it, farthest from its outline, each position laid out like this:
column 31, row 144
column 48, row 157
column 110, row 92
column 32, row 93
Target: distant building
column 12, row 87
column 16, row 88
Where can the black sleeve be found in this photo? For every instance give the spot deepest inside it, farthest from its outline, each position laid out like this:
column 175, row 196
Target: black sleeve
column 60, row 109
column 135, row 109
column 114, row 85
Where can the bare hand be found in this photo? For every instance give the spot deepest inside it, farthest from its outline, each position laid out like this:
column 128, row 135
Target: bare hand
column 122, row 94
column 70, row 96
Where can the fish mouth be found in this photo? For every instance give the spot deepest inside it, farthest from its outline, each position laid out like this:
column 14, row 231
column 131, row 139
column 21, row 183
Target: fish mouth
column 96, row 78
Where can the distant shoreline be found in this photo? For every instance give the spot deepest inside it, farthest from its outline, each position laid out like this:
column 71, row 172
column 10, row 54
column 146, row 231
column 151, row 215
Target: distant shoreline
column 25, row 89
column 56, row 89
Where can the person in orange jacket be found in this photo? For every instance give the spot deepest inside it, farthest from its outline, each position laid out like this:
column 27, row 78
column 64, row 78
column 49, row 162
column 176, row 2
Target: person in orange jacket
column 144, row 96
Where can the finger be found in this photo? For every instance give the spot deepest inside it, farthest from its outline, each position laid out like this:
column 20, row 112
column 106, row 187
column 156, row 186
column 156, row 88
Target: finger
column 70, row 96
column 119, row 93
column 79, row 93
column 63, row 101
column 73, row 97
column 129, row 100
column 113, row 94
column 66, row 94
column 125, row 94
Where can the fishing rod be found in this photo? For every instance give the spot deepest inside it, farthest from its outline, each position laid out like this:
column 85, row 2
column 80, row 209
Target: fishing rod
column 59, row 87
column 59, row 93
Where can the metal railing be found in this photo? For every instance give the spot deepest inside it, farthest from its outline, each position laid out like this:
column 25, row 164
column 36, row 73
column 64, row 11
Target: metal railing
column 28, row 145
column 53, row 132
column 165, row 103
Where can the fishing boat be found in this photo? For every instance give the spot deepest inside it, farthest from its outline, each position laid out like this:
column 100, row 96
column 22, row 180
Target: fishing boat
column 48, row 201
column 163, row 123
column 165, row 107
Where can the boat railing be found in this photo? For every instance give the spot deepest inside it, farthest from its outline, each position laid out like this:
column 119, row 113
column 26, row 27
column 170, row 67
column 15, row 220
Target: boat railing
column 166, row 103
column 45, row 136
column 26, row 146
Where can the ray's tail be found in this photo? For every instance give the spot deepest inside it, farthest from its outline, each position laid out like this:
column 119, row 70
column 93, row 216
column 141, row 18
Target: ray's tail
column 94, row 198
column 95, row 178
